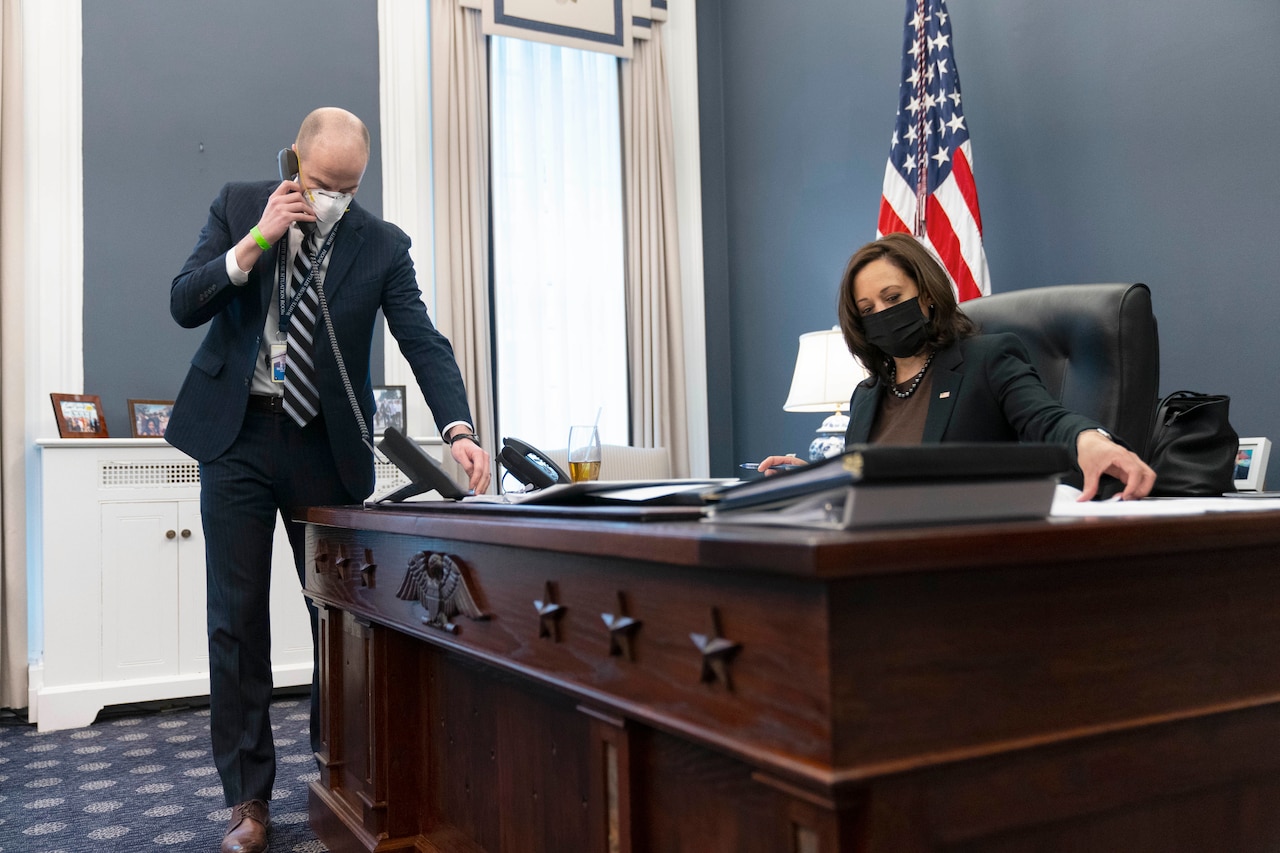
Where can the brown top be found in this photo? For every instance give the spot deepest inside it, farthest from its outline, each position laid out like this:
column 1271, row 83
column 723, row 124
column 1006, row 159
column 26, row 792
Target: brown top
column 900, row 421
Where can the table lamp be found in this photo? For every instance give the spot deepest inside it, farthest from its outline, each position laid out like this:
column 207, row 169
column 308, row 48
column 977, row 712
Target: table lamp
column 825, row 376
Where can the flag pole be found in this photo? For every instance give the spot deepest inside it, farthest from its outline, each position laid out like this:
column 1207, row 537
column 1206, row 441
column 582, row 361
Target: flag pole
column 922, row 120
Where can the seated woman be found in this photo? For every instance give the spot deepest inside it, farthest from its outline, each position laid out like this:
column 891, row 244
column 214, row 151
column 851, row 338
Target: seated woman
column 936, row 379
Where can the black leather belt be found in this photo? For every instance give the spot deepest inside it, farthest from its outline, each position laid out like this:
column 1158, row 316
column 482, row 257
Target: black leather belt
column 266, row 403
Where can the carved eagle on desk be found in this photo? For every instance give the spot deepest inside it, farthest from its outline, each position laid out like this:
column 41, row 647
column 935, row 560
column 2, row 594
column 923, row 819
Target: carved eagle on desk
column 436, row 582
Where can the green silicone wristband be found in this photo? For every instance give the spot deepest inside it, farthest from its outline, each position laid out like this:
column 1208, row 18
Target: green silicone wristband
column 258, row 238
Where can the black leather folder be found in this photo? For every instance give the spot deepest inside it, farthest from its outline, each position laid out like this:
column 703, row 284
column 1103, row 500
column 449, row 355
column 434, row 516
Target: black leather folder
column 883, row 465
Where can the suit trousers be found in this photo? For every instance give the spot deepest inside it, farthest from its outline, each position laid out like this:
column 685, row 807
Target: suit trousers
column 273, row 466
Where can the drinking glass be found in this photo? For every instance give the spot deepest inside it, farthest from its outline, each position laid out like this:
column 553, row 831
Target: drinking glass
column 584, row 453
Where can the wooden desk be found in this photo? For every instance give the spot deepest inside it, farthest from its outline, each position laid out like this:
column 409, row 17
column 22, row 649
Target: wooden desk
column 1082, row 685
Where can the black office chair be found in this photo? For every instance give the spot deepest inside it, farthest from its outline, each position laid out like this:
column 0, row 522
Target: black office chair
column 1095, row 346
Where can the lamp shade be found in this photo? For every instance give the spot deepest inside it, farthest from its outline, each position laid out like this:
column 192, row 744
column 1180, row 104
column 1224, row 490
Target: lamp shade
column 825, row 375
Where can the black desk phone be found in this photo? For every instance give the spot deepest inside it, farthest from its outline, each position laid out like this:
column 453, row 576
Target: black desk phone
column 424, row 472
column 526, row 463
column 530, row 465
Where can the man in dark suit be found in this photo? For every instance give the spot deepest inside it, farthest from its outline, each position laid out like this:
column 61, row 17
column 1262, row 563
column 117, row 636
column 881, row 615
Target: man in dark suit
column 269, row 409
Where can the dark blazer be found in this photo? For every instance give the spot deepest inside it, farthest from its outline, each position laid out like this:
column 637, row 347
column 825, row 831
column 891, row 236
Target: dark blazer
column 369, row 269
column 984, row 389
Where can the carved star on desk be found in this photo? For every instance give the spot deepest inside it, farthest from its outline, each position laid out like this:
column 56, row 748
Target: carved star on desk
column 343, row 562
column 351, row 566
column 549, row 614
column 622, row 629
column 716, row 653
column 367, row 570
column 322, row 557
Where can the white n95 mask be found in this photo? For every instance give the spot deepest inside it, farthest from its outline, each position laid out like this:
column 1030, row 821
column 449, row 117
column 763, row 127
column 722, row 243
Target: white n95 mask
column 329, row 206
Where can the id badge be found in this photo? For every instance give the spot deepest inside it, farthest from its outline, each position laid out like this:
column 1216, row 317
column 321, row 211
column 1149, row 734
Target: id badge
column 279, row 359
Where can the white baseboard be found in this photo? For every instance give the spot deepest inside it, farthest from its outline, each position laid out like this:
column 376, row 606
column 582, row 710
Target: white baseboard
column 77, row 705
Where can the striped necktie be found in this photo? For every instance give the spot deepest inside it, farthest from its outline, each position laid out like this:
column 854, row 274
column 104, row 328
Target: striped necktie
column 301, row 399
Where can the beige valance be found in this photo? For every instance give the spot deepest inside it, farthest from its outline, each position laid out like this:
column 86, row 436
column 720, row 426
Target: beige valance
column 607, row 26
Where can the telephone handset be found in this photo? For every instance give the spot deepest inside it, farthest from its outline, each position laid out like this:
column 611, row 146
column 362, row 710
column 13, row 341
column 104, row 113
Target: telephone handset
column 287, row 160
column 530, row 465
column 287, row 163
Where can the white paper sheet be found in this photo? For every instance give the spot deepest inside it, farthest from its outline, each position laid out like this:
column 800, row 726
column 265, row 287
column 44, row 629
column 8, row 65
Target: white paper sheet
column 1065, row 505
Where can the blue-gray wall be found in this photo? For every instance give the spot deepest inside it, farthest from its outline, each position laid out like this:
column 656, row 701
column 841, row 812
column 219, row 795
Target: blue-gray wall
column 181, row 96
column 1112, row 142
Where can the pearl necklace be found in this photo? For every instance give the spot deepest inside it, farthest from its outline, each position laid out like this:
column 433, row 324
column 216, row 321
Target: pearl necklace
column 915, row 383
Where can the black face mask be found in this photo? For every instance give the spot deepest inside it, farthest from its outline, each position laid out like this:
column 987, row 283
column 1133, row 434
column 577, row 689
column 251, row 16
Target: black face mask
column 901, row 331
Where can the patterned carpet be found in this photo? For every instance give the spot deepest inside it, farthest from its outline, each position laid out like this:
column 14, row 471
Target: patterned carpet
column 142, row 780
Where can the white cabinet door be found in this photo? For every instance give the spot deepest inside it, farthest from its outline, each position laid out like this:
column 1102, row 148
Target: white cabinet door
column 193, row 633
column 140, row 601
column 119, row 605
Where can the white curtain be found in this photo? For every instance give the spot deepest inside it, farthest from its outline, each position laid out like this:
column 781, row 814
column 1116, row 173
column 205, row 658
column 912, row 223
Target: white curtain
column 13, row 581
column 558, row 250
column 460, row 172
column 655, row 316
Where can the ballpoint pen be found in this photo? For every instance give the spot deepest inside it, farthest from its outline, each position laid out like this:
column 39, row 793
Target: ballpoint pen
column 755, row 466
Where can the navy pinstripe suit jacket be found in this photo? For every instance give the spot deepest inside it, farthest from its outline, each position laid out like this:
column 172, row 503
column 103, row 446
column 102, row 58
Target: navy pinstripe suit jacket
column 369, row 269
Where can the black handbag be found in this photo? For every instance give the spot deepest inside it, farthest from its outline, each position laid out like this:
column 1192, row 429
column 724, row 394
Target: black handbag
column 1193, row 448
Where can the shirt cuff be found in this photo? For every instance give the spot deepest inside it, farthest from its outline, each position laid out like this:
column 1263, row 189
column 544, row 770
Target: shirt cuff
column 450, row 426
column 238, row 276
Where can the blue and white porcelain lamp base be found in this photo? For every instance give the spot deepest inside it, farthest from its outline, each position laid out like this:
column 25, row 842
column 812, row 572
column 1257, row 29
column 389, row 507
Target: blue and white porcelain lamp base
column 830, row 439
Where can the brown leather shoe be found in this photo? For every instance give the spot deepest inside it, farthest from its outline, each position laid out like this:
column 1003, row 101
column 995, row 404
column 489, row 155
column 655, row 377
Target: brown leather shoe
column 247, row 828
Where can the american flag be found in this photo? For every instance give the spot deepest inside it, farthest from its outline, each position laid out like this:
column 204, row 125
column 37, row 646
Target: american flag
column 939, row 203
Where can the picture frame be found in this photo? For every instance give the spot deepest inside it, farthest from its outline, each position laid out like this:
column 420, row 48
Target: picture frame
column 79, row 415
column 389, row 400
column 149, row 418
column 1251, row 464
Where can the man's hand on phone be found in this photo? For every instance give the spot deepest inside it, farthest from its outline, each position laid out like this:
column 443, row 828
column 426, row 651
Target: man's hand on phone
column 285, row 206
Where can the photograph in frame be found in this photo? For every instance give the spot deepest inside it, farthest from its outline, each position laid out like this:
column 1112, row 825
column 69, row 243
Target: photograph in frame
column 149, row 418
column 79, row 415
column 1251, row 464
column 389, row 400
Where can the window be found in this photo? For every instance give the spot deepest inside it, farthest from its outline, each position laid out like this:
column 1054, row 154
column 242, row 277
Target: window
column 559, row 308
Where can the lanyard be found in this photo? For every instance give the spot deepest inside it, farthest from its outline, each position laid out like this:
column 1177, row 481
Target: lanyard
column 286, row 311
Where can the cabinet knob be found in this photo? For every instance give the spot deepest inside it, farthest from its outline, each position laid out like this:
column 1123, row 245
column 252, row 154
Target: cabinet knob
column 186, row 534
column 169, row 534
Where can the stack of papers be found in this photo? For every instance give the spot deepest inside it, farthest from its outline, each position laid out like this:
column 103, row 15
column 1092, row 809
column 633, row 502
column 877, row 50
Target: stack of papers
column 603, row 492
column 1067, row 505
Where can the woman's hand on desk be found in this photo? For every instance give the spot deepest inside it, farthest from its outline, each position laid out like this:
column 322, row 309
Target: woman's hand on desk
column 774, row 464
column 1097, row 455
